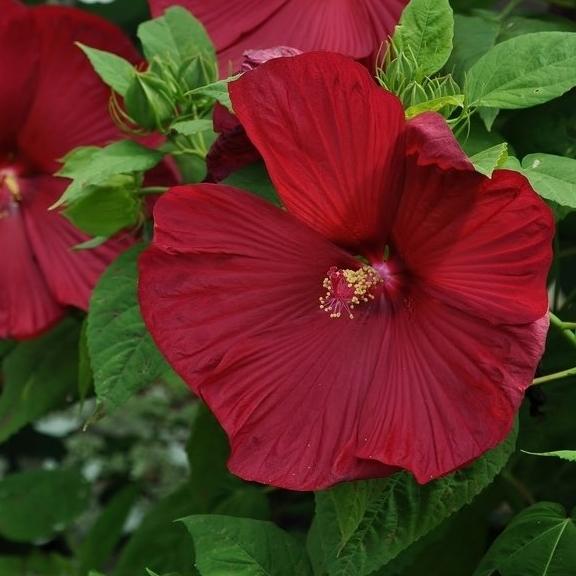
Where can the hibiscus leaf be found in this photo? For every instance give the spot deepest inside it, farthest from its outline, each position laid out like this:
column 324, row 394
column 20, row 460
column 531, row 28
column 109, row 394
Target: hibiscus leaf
column 36, row 505
column 361, row 526
column 425, row 32
column 123, row 356
column 39, row 375
column 245, row 547
column 523, row 71
column 190, row 127
column 553, row 177
column 112, row 69
column 488, row 160
column 569, row 455
column 540, row 541
column 218, row 91
column 254, row 178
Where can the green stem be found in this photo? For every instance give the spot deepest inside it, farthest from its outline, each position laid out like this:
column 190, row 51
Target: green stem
column 566, row 328
column 510, row 7
column 554, row 376
column 152, row 190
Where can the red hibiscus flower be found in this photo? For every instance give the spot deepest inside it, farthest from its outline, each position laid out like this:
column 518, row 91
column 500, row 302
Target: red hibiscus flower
column 356, row 28
column 391, row 317
column 51, row 101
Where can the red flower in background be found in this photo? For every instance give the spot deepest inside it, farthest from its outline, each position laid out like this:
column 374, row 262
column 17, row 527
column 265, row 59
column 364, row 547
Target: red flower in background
column 391, row 318
column 51, row 101
column 356, row 28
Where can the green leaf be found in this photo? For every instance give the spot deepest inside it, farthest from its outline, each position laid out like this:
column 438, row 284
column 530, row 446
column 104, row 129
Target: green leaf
column 176, row 36
column 425, row 32
column 435, row 105
column 191, row 127
column 114, row 70
column 487, row 161
column 540, row 541
column 254, row 178
column 218, row 91
column 91, row 166
column 92, row 243
column 473, row 37
column 85, row 377
column 124, row 358
column 245, row 547
column 36, row 565
column 364, row 525
column 569, row 455
column 98, row 545
column 38, row 376
column 553, row 177
column 36, row 505
column 523, row 71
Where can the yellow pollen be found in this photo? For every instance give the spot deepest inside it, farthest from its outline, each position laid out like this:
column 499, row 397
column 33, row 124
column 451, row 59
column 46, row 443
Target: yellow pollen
column 11, row 183
column 346, row 288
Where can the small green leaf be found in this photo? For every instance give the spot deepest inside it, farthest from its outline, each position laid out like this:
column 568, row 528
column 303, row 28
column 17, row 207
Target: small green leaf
column 569, row 455
column 176, row 36
column 39, row 375
column 487, row 161
column 190, row 127
column 524, row 71
column 245, row 547
column 114, row 70
column 540, row 541
column 36, row 505
column 425, row 32
column 218, row 91
column 254, row 178
column 554, row 178
column 92, row 166
column 361, row 526
column 435, row 105
column 92, row 243
column 123, row 357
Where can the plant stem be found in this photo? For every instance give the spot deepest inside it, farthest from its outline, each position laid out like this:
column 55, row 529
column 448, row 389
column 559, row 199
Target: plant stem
column 554, row 376
column 152, row 190
column 566, row 328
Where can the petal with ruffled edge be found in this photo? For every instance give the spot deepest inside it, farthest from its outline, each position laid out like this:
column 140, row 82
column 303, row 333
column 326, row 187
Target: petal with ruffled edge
column 483, row 245
column 70, row 274
column 71, row 103
column 355, row 28
column 27, row 307
column 19, row 52
column 230, row 290
column 332, row 142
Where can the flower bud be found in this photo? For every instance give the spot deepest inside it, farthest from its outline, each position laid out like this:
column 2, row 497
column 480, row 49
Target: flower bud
column 148, row 102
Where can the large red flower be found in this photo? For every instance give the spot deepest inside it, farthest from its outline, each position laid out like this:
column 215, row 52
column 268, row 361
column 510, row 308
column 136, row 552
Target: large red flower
column 51, row 101
column 391, row 317
column 356, row 28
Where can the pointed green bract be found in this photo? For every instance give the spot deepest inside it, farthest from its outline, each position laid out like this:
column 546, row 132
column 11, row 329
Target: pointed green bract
column 488, row 160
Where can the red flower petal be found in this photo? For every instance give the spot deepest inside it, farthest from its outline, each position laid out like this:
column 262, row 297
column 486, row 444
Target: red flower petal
column 26, row 306
column 19, row 52
column 481, row 245
column 71, row 104
column 356, row 28
column 230, row 292
column 332, row 143
column 71, row 275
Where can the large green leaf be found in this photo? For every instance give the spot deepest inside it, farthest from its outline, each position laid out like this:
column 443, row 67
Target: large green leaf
column 245, row 547
column 36, row 505
column 364, row 525
column 523, row 71
column 425, row 33
column 123, row 356
column 540, row 541
column 38, row 376
column 114, row 70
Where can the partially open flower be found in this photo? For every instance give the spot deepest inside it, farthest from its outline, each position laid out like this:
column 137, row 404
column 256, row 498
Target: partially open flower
column 390, row 318
column 51, row 101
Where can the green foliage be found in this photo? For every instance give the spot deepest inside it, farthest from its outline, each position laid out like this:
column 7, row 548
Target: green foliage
column 36, row 505
column 39, row 376
column 569, row 455
column 488, row 160
column 255, row 179
column 540, row 541
column 217, row 91
column 425, row 33
column 191, row 127
column 361, row 526
column 523, row 71
column 245, row 547
column 114, row 70
column 124, row 358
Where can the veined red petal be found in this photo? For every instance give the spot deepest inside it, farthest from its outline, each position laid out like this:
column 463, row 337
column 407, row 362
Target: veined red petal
column 71, row 103
column 356, row 28
column 332, row 142
column 70, row 274
column 19, row 52
column 27, row 307
column 482, row 245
